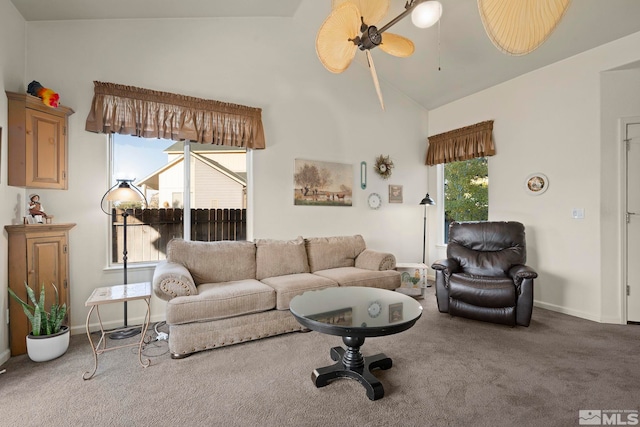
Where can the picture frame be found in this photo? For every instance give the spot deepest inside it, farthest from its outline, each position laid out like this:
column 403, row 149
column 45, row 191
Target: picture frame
column 536, row 183
column 317, row 183
column 395, row 193
column 395, row 312
column 342, row 317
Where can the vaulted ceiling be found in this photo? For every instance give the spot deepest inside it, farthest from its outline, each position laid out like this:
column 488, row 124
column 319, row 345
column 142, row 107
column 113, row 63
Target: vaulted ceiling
column 467, row 59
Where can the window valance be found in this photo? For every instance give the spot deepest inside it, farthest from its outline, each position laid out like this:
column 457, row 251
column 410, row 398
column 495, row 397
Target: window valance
column 151, row 114
column 461, row 144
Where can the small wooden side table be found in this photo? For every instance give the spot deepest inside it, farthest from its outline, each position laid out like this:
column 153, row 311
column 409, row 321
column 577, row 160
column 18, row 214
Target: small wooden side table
column 114, row 294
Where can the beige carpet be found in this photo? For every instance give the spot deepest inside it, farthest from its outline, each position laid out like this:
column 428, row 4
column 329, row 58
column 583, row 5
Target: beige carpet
column 446, row 372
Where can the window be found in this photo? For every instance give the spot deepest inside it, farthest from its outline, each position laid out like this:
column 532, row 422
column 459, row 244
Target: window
column 216, row 202
column 466, row 192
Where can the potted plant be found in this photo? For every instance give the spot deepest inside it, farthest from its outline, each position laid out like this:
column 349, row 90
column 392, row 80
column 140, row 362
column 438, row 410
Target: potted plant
column 48, row 338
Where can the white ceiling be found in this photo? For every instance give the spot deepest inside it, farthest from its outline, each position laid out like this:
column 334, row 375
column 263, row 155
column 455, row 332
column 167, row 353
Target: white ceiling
column 469, row 62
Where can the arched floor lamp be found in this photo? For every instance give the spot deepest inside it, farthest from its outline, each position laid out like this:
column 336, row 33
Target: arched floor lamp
column 426, row 201
column 123, row 191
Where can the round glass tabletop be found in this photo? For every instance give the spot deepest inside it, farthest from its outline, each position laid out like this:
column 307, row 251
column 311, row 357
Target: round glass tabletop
column 355, row 311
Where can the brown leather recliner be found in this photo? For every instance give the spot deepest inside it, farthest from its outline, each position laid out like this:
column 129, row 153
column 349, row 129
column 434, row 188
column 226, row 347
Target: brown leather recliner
column 484, row 276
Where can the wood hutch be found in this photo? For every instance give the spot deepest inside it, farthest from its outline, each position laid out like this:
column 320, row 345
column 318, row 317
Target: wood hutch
column 38, row 139
column 38, row 253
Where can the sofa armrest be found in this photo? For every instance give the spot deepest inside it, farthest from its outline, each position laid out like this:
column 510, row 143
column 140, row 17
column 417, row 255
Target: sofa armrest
column 375, row 260
column 172, row 280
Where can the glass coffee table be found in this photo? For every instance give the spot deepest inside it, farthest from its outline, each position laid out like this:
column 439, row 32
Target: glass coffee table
column 355, row 313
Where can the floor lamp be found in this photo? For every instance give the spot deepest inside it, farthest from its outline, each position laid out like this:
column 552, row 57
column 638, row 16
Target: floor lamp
column 426, row 201
column 123, row 191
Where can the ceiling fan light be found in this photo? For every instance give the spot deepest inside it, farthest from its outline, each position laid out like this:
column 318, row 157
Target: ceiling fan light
column 426, row 14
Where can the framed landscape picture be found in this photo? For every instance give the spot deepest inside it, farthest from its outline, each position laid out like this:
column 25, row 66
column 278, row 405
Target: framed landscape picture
column 317, row 183
column 342, row 317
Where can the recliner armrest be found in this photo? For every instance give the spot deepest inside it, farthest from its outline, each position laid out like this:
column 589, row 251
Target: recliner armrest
column 519, row 272
column 172, row 280
column 447, row 266
column 375, row 260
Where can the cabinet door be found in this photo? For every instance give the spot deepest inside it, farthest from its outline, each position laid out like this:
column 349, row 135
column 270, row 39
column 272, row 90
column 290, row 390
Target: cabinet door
column 45, row 150
column 47, row 263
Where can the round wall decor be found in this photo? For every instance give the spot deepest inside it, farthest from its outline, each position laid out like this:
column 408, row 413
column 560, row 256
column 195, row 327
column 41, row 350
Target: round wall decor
column 383, row 166
column 536, row 183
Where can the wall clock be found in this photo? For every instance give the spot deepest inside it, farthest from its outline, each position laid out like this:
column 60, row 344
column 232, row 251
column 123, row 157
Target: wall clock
column 374, row 200
column 374, row 309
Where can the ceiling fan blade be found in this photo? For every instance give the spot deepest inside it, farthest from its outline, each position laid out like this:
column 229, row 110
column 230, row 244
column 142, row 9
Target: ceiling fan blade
column 375, row 77
column 333, row 46
column 520, row 27
column 372, row 11
column 396, row 45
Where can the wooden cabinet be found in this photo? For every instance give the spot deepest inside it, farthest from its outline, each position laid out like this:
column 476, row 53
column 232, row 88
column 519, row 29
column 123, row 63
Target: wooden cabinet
column 38, row 253
column 37, row 148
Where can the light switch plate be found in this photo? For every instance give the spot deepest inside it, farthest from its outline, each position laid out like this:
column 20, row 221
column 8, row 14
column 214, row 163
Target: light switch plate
column 577, row 213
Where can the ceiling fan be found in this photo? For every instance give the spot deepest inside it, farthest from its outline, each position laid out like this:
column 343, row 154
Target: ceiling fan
column 351, row 26
column 515, row 27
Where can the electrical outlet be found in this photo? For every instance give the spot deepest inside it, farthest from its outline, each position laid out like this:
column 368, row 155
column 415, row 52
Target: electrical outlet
column 7, row 316
column 577, row 213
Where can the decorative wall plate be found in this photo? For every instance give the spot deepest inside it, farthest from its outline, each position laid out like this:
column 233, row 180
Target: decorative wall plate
column 536, row 183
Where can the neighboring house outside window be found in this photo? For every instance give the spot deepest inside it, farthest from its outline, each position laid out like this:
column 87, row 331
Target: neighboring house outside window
column 218, row 178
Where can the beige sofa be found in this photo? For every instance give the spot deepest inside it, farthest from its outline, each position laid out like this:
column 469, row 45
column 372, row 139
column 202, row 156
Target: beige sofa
column 223, row 293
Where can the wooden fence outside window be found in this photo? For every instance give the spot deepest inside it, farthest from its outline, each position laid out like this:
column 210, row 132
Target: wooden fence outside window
column 149, row 230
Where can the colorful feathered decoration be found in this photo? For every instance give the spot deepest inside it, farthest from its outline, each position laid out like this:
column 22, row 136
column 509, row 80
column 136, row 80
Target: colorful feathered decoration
column 48, row 96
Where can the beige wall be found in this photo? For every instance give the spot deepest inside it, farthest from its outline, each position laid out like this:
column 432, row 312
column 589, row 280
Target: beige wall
column 268, row 63
column 547, row 121
column 551, row 121
column 12, row 59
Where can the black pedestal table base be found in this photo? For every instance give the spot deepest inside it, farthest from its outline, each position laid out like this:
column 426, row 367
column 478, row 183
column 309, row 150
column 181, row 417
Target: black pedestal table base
column 350, row 363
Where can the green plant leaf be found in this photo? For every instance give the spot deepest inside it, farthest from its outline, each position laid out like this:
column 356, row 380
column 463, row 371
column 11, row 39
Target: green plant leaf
column 42, row 322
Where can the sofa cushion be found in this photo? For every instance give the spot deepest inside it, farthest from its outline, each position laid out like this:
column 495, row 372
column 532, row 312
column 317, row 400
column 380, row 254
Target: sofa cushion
column 352, row 276
column 280, row 257
column 215, row 262
column 221, row 300
column 291, row 285
column 333, row 252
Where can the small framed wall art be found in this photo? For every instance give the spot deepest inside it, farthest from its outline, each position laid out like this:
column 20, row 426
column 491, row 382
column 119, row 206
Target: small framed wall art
column 395, row 194
column 536, row 183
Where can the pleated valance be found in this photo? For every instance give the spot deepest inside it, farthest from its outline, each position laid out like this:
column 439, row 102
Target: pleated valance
column 151, row 114
column 461, row 144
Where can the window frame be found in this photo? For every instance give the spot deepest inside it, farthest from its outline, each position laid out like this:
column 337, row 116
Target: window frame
column 187, row 201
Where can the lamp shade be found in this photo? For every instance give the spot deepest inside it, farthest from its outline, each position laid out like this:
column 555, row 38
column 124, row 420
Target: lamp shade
column 426, row 14
column 125, row 193
column 427, row 200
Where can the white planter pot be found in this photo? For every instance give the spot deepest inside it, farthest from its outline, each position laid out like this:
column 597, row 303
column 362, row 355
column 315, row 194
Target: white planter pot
column 48, row 347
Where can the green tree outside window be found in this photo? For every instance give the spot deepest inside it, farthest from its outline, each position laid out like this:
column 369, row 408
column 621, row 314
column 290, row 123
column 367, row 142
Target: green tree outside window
column 466, row 191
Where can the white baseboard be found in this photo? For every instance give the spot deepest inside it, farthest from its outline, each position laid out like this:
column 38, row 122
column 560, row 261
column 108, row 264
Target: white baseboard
column 4, row 356
column 82, row 329
column 576, row 313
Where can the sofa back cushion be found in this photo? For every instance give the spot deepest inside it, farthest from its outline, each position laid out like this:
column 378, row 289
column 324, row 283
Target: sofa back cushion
column 215, row 262
column 333, row 252
column 280, row 257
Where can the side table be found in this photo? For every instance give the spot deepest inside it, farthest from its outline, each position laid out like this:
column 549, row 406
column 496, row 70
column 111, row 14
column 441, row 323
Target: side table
column 414, row 278
column 114, row 294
